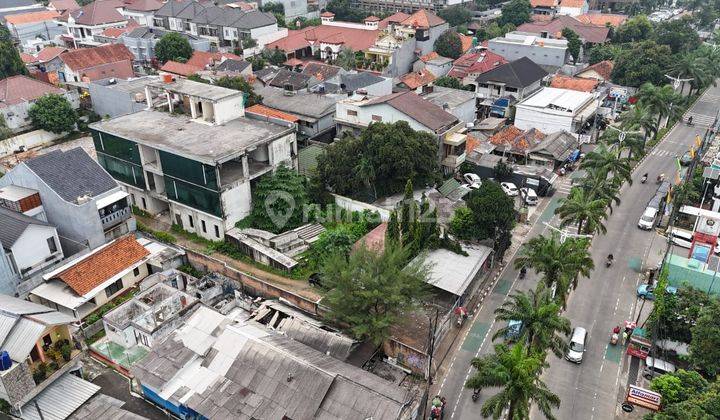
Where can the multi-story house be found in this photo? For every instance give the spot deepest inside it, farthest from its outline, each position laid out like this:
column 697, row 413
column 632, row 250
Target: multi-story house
column 410, row 6
column 543, row 51
column 359, row 111
column 90, row 20
column 500, row 88
column 19, row 93
column 193, row 154
column 78, row 197
column 141, row 11
column 223, row 27
column 141, row 42
column 29, row 244
column 34, row 30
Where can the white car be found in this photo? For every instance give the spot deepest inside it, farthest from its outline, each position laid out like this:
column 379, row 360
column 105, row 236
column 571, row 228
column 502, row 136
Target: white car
column 529, row 196
column 647, row 220
column 509, row 188
column 473, row 180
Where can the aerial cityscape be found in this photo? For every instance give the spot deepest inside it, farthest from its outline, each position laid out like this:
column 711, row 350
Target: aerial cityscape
column 359, row 209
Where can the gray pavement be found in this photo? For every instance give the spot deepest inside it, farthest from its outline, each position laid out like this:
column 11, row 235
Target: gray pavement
column 594, row 388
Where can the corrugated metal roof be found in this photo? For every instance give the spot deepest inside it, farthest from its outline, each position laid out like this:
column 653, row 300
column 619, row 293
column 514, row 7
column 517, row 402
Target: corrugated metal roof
column 6, row 323
column 60, row 399
column 22, row 338
column 52, row 318
column 15, row 306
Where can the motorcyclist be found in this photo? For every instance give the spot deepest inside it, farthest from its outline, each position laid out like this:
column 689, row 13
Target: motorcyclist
column 690, row 119
column 661, row 178
column 610, row 257
column 523, row 272
column 644, row 178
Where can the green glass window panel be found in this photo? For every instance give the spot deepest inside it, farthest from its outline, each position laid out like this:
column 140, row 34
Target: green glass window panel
column 122, row 171
column 117, row 147
column 193, row 196
column 188, row 170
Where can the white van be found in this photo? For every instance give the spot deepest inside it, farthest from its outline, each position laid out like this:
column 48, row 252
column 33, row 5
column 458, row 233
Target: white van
column 656, row 367
column 647, row 220
column 577, row 345
column 529, row 196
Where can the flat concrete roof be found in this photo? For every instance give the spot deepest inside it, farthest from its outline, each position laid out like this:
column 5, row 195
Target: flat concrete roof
column 196, row 89
column 569, row 101
column 130, row 85
column 180, row 135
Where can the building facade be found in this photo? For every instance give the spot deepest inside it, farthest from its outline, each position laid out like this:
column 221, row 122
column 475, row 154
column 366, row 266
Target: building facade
column 542, row 51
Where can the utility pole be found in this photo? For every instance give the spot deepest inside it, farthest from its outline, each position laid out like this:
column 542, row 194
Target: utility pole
column 432, row 331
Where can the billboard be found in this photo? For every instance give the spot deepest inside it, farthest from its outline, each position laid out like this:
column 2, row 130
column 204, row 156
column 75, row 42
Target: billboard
column 644, row 398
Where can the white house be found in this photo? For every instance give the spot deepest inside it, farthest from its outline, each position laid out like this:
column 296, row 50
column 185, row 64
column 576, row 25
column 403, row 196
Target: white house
column 551, row 110
column 543, row 51
column 19, row 93
column 90, row 20
column 573, row 7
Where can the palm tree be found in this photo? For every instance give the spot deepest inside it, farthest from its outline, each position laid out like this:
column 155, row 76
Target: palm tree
column 584, row 210
column 555, row 260
column 633, row 143
column 541, row 321
column 518, row 374
column 656, row 99
column 603, row 162
column 689, row 66
column 639, row 118
column 602, row 188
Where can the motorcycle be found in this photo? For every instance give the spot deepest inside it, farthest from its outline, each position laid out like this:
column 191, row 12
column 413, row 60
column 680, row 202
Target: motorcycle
column 608, row 262
column 660, row 179
column 476, row 395
column 615, row 336
column 523, row 272
column 643, row 179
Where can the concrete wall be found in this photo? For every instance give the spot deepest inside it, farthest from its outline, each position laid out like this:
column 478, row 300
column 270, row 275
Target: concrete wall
column 9, row 279
column 542, row 55
column 28, row 140
column 354, row 205
column 48, row 30
column 465, row 112
column 380, row 88
column 435, row 32
column 17, row 118
column 365, row 113
column 228, row 109
column 128, row 280
column 527, row 118
column 264, row 31
column 186, row 213
column 402, row 59
column 31, row 250
column 112, row 102
column 236, row 203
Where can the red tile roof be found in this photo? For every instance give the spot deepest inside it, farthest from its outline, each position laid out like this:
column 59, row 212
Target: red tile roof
column 143, row 5
column 28, row 58
column 423, row 19
column 373, row 240
column 415, row 80
column 394, row 18
column 118, row 70
column 543, row 3
column 574, row 83
column 518, row 140
column 102, row 265
column 97, row 13
column 85, row 58
column 48, row 53
column 182, row 69
column 590, row 33
column 476, row 64
column 603, row 69
column 270, row 112
column 63, row 5
column 372, row 19
column 467, row 42
column 327, row 14
column 572, row 3
column 429, row 56
column 204, row 58
column 19, row 89
column 602, row 19
column 31, row 17
column 353, row 38
column 117, row 32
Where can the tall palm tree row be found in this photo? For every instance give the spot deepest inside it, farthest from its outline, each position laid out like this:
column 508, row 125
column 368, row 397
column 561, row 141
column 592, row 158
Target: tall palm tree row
column 584, row 210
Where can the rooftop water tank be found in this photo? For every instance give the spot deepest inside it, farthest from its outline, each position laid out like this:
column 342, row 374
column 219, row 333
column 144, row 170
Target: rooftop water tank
column 5, row 361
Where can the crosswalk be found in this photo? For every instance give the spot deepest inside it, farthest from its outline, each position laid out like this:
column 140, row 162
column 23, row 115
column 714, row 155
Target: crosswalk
column 661, row 153
column 564, row 185
column 700, row 119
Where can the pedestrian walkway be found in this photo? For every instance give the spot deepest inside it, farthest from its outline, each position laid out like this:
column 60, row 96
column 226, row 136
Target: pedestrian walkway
column 700, row 119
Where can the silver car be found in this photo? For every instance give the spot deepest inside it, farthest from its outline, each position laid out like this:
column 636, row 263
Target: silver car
column 577, row 345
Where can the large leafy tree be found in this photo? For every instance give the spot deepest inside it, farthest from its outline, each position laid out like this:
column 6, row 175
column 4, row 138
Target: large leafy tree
column 279, row 201
column 679, row 386
column 173, row 46
column 643, row 62
column 449, row 45
column 678, row 34
column 635, row 29
column 368, row 291
column 345, row 11
column 584, row 210
column 517, row 374
column 515, row 12
column 395, row 152
column 451, row 82
column 10, row 62
column 705, row 344
column 346, row 58
column 574, row 43
column 455, row 15
column 53, row 113
column 274, row 56
column 543, row 328
column 239, row 83
column 679, row 314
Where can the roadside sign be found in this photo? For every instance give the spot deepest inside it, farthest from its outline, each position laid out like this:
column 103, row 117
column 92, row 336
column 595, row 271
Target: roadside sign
column 532, row 181
column 644, row 398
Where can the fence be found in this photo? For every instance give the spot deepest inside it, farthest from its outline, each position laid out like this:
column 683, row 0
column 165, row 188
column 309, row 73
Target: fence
column 354, row 205
column 27, row 141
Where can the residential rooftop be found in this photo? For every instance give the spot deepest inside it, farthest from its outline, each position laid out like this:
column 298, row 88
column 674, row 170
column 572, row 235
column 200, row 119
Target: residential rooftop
column 134, row 85
column 180, row 135
column 196, row 89
column 441, row 95
column 560, row 100
column 303, row 103
column 454, row 272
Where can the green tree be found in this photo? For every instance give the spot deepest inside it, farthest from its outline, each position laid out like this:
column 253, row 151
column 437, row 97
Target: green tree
column 657, row 100
column 583, row 210
column 515, row 12
column 455, row 15
column 451, row 82
column 690, row 66
column 345, row 11
column 574, row 43
column 679, row 386
column 279, row 200
column 173, row 46
column 273, row 7
column 449, row 45
column 331, row 242
column 346, row 58
column 602, row 52
column 680, row 313
column 635, row 29
column 257, row 62
column 604, row 162
column 678, row 34
column 370, row 291
column 395, row 151
column 494, row 211
column 53, row 113
column 518, row 376
column 274, row 56
column 463, row 225
column 10, row 62
column 705, row 344
column 239, row 83
column 543, row 328
column 5, row 132
column 641, row 118
column 502, row 171
column 643, row 62
column 493, row 30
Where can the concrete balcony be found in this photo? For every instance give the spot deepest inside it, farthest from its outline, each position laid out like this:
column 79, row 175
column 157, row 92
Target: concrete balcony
column 115, row 218
column 454, row 161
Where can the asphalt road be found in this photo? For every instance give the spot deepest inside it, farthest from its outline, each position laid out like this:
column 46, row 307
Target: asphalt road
column 589, row 390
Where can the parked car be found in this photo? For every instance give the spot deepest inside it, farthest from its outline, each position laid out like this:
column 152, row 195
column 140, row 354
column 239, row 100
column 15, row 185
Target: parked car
column 473, row 180
column 509, row 188
column 576, row 349
column 656, row 367
column 647, row 220
column 529, row 196
column 686, row 159
column 646, row 292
